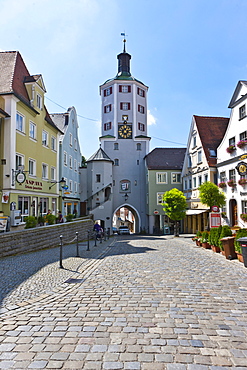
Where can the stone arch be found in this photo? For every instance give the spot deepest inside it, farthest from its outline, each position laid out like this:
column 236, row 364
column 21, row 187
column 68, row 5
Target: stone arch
column 135, row 213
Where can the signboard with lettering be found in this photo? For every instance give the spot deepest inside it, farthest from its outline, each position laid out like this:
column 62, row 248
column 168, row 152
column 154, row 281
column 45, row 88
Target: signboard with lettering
column 214, row 219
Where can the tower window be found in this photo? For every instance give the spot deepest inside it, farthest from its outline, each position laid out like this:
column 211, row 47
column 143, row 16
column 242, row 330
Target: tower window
column 98, row 177
column 138, row 146
column 141, row 126
column 125, row 106
column 108, row 91
column 115, row 146
column 140, row 92
column 107, row 108
column 107, row 126
column 141, row 109
column 125, row 88
column 116, row 162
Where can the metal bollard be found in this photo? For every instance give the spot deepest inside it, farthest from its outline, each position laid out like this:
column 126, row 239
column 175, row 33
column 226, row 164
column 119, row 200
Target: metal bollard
column 61, row 252
column 108, row 233
column 95, row 239
column 101, row 237
column 77, row 245
column 88, row 235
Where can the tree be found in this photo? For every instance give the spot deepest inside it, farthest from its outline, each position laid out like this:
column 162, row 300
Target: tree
column 211, row 195
column 175, row 207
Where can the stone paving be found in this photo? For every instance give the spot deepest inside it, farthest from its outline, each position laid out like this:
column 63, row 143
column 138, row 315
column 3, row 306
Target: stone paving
column 137, row 302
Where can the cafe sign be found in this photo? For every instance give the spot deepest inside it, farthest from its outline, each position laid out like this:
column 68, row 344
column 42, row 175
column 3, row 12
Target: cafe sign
column 242, row 168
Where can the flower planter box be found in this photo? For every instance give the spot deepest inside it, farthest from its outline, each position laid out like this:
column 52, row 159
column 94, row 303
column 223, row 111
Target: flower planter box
column 215, row 249
column 240, row 257
column 205, row 245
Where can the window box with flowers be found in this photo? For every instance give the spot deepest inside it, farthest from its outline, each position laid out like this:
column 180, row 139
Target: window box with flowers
column 231, row 183
column 242, row 143
column 243, row 217
column 222, row 185
column 230, row 149
column 242, row 182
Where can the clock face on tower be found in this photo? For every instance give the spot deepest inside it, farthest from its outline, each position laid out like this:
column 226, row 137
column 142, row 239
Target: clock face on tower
column 124, row 131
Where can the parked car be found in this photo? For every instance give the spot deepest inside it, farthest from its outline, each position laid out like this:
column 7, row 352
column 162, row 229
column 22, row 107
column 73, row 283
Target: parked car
column 114, row 230
column 123, row 230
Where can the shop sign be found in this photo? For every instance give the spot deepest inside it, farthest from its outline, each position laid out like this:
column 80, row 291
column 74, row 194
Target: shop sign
column 5, row 197
column 33, row 185
column 156, row 212
column 215, row 208
column 242, row 168
column 214, row 219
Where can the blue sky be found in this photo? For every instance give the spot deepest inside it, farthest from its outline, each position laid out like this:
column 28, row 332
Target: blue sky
column 191, row 54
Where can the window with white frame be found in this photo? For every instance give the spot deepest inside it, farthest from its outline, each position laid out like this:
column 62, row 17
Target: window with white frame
column 232, row 141
column 205, row 177
column 116, row 162
column 53, row 143
column 161, row 177
column 19, row 161
column 138, row 146
column 125, row 88
column 194, row 182
column 39, row 101
column 232, row 175
column 244, row 206
column 141, row 126
column 242, row 112
column 176, row 178
column 98, row 177
column 75, row 144
column 190, row 183
column 243, row 135
column 75, row 165
column 75, row 187
column 65, row 158
column 125, row 106
column 107, row 108
column 23, row 206
column 108, row 91
column 140, row 92
column 160, row 198
column 44, row 171
column 45, row 138
column 70, row 139
column 116, row 146
column 141, row 109
column 185, row 184
column 189, row 161
column 71, row 186
column 53, row 173
column 70, row 162
column 32, row 167
column 32, row 130
column 194, row 141
column 107, row 126
column 199, row 156
column 222, row 176
column 20, row 122
column 199, row 180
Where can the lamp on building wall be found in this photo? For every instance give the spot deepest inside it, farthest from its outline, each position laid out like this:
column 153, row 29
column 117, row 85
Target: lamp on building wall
column 62, row 182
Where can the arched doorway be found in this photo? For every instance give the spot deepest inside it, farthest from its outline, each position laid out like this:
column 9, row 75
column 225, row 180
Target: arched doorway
column 128, row 216
column 233, row 211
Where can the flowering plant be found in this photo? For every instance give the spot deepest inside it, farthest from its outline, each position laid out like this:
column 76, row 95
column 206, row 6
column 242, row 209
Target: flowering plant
column 242, row 143
column 243, row 216
column 230, row 148
column 222, row 184
column 231, row 183
column 242, row 181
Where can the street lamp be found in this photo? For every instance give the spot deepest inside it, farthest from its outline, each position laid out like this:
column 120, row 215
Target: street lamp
column 62, row 181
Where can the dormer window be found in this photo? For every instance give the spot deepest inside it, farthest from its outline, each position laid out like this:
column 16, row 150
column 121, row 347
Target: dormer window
column 39, row 101
column 242, row 112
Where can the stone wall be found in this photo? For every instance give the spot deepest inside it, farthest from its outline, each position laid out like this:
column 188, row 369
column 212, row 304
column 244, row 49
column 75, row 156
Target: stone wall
column 28, row 240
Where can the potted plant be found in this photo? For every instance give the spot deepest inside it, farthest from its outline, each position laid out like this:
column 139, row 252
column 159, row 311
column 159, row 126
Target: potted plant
column 242, row 181
column 242, row 143
column 69, row 217
column 31, row 222
column 205, row 243
column 50, row 219
column 198, row 238
column 230, row 149
column 239, row 234
column 214, row 238
column 41, row 220
column 226, row 242
column 231, row 183
column 222, row 185
column 243, row 217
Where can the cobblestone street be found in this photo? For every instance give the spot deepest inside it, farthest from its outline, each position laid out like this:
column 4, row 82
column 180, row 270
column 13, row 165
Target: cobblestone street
column 134, row 302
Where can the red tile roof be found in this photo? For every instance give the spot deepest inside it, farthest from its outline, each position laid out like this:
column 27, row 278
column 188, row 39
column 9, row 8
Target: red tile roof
column 211, row 131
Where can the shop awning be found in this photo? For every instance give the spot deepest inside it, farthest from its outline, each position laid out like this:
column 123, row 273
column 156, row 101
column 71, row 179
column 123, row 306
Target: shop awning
column 191, row 212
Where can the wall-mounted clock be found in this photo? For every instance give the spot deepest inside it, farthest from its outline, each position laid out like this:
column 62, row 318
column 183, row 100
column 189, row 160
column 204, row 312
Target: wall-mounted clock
column 125, row 131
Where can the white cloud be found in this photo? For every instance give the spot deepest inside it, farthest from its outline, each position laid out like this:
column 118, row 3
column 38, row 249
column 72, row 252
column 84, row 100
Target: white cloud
column 151, row 120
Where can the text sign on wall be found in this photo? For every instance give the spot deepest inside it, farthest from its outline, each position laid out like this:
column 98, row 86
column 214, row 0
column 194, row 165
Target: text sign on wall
column 214, row 219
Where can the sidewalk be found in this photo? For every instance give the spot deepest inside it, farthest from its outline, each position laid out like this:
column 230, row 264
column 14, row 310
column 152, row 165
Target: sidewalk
column 28, row 276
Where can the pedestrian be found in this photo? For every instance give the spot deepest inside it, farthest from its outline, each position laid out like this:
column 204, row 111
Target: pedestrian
column 98, row 229
column 60, row 217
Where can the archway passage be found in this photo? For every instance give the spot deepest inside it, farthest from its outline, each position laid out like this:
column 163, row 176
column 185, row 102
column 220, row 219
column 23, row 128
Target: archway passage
column 233, row 212
column 126, row 215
